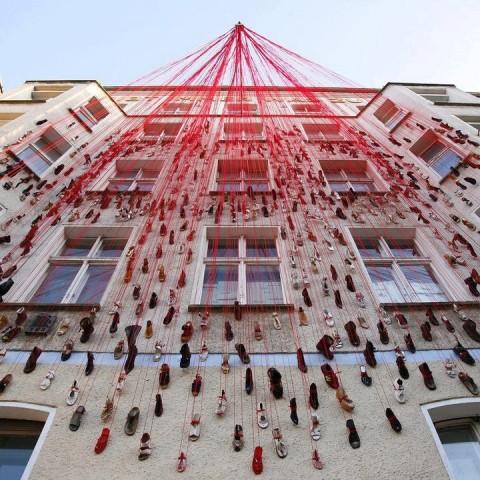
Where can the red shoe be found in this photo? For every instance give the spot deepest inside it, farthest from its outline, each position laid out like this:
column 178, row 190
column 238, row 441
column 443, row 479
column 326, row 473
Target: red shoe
column 257, row 463
column 102, row 441
column 181, row 462
column 317, row 463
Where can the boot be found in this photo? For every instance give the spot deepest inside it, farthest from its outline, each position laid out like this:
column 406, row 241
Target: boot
column 409, row 343
column 132, row 331
column 169, row 316
column 293, row 411
column 323, row 346
column 351, row 329
column 5, row 287
column 306, row 298
column 237, row 310
column 338, row 299
column 431, row 317
column 472, row 286
column 228, row 331
column 115, row 321
column 87, row 326
column 32, row 360
column 350, row 285
column 249, row 381
column 369, row 354
column 382, row 330
column 164, row 377
column 89, row 367
column 470, row 328
column 402, row 368
column 186, row 355
column 426, row 330
column 153, row 301
column 130, row 363
column 276, row 386
column 427, row 376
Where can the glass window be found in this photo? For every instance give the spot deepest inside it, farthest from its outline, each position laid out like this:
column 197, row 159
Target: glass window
column 220, row 284
column 432, row 151
column 384, row 284
column 56, row 283
column 463, row 451
column 221, row 247
column 444, row 162
column 423, row 283
column 264, row 285
column 77, row 247
column 111, row 247
column 368, row 247
column 404, row 248
column 93, row 283
column 33, row 160
column 261, row 247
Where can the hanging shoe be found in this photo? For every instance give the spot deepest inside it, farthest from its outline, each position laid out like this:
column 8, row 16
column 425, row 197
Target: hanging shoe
column 188, row 331
column 293, row 411
column 427, row 376
column 280, row 444
column 313, row 396
column 276, row 386
column 225, row 364
column 186, row 356
column 394, row 423
column 46, row 382
column 353, row 437
column 338, row 299
column 169, row 316
column 132, row 421
column 87, row 326
column 145, row 447
column 317, row 463
column 257, row 462
column 73, row 395
column 409, row 343
column 399, row 390
column 261, row 416
column 369, row 354
column 181, row 462
column 242, row 353
column 249, row 381
column 238, row 438
column 102, row 441
column 90, row 366
column 164, row 376
column 402, row 368
column 222, row 404
column 121, row 381
column 115, row 321
column 196, row 385
column 153, row 300
column 351, row 330
column 468, row 382
column 365, row 378
column 203, row 352
column 323, row 346
column 257, row 331
column 330, row 376
column 315, row 429
column 470, row 328
column 130, row 362
column 328, row 317
column 301, row 361
column 32, row 360
column 159, row 346
column 343, row 399
column 302, row 317
column 276, row 321
column 228, row 331
column 463, row 353
column 382, row 330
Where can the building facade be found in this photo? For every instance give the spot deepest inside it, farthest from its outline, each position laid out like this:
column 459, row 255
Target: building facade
column 325, row 239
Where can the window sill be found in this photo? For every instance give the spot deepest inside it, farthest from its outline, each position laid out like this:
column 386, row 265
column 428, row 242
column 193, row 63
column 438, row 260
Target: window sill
column 50, row 307
column 251, row 308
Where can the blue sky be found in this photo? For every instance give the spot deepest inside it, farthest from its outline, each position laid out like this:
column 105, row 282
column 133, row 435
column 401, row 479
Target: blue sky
column 369, row 42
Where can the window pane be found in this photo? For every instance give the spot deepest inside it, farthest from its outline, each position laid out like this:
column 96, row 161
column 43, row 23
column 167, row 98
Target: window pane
column 111, row 247
column 126, row 174
column 368, row 247
column 257, row 186
column 444, row 162
column 77, row 247
column 222, row 247
column 357, row 176
column 56, row 284
column 144, row 186
column 402, row 248
column 423, row 283
column 364, row 187
column 84, row 118
column 230, row 186
column 264, row 285
column 261, row 247
column 118, row 186
column 432, row 151
column 35, row 162
column 15, row 452
column 220, row 284
column 339, row 186
column 94, row 282
column 384, row 284
column 463, row 451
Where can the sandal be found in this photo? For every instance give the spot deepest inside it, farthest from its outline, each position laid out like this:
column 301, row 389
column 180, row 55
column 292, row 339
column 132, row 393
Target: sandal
column 102, row 441
column 222, row 404
column 315, row 430
column 238, row 438
column 280, row 444
column 73, row 395
column 132, row 421
column 76, row 418
column 181, row 462
column 194, row 434
column 261, row 416
column 258, row 332
column 276, row 321
column 225, row 365
column 62, row 329
column 317, row 463
column 328, row 317
column 118, row 352
column 47, row 380
column 107, row 410
column 121, row 381
column 203, row 352
column 67, row 350
column 257, row 463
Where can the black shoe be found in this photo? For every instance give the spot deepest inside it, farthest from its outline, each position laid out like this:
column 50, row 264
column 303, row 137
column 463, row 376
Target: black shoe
column 293, row 411
column 237, row 310
column 153, row 300
column 276, row 386
column 89, row 367
column 394, row 423
column 186, row 355
column 353, row 437
column 409, row 343
column 402, row 368
column 249, row 381
column 169, row 316
column 463, row 353
column 132, row 331
column 313, row 397
column 338, row 299
column 369, row 354
column 87, row 326
column 431, row 317
column 158, row 405
column 228, row 331
column 115, row 321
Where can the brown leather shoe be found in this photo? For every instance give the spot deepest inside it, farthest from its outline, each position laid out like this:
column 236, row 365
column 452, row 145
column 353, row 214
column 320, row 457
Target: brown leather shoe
column 32, row 360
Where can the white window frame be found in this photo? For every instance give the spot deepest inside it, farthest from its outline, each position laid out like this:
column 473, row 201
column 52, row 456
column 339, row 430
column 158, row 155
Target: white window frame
column 395, row 263
column 244, row 178
column 323, row 132
column 75, row 288
column 390, row 114
column 241, row 261
column 459, row 408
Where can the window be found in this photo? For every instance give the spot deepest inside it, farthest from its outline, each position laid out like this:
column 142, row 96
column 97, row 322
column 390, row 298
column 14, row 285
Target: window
column 82, row 268
column 306, row 108
column 139, row 179
column 454, row 425
column 161, row 129
column 242, row 108
column 90, row 113
column 18, row 439
column 390, row 115
column 342, row 180
column 472, row 120
column 171, row 108
column 399, row 271
column 243, row 131
column 44, row 152
column 322, row 131
column 433, row 94
column 241, row 268
column 435, row 154
column 238, row 176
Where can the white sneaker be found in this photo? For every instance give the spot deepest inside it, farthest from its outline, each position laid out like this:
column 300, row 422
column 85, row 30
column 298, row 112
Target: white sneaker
column 399, row 390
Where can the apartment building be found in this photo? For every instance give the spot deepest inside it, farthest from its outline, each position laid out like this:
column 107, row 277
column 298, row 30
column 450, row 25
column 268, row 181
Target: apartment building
column 225, row 281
